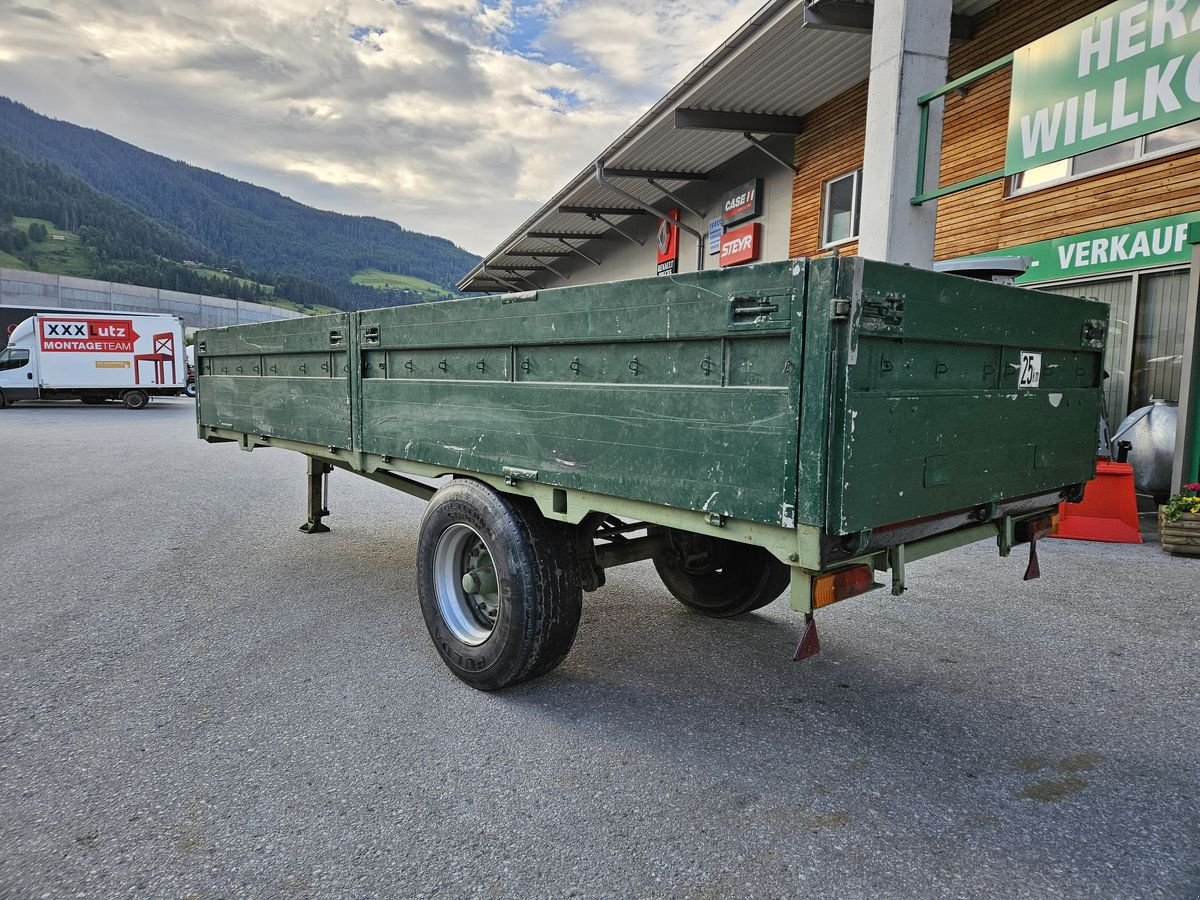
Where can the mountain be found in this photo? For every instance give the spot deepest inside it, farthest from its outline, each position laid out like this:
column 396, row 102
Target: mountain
column 233, row 220
column 54, row 222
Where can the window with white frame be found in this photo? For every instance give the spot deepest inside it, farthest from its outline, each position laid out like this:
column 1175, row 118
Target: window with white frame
column 1160, row 143
column 839, row 212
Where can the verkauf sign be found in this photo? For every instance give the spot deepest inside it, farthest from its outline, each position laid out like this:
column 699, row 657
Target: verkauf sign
column 1129, row 69
column 1142, row 245
column 668, row 245
column 742, row 203
column 741, row 245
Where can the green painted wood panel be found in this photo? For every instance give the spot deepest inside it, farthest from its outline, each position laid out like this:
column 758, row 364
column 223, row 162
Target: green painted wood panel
column 843, row 394
column 287, row 379
column 671, row 390
column 925, row 412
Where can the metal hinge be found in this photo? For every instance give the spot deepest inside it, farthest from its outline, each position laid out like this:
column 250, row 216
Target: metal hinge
column 839, row 309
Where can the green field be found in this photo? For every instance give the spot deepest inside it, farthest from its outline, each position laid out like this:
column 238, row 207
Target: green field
column 10, row 262
column 67, row 256
column 216, row 273
column 390, row 281
column 310, row 309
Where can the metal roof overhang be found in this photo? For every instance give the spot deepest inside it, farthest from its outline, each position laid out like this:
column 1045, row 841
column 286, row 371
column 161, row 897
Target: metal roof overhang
column 773, row 65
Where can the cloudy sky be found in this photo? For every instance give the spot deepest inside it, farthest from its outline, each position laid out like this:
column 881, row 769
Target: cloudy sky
column 454, row 117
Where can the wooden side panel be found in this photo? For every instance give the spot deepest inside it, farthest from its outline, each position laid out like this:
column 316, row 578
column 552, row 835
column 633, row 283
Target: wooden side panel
column 680, row 391
column 927, row 415
column 287, row 379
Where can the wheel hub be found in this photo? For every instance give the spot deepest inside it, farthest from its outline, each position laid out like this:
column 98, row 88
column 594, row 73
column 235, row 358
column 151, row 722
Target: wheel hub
column 468, row 593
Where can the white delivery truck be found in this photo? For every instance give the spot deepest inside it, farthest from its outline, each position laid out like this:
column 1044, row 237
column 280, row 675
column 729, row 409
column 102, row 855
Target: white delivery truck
column 94, row 358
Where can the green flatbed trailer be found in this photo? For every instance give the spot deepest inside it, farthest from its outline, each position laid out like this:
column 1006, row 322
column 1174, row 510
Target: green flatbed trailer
column 802, row 424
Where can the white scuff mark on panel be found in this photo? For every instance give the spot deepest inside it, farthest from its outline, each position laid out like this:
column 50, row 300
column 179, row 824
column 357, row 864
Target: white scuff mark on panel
column 708, row 502
column 787, row 515
column 853, row 417
column 453, row 449
column 796, row 269
column 1055, row 399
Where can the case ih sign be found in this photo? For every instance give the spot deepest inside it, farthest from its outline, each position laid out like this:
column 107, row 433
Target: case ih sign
column 87, row 335
column 742, row 203
column 741, row 245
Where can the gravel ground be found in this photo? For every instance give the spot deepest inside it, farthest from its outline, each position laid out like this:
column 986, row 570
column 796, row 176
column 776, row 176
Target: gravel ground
column 196, row 700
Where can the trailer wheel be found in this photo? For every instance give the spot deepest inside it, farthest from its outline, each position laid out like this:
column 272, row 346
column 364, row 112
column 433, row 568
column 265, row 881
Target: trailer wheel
column 499, row 586
column 190, row 389
column 135, row 399
column 719, row 578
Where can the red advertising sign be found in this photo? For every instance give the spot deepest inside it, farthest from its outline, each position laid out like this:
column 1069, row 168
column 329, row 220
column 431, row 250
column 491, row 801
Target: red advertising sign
column 87, row 335
column 668, row 245
column 741, row 245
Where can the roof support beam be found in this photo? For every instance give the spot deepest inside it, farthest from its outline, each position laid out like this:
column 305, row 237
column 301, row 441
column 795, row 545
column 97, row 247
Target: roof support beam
column 534, row 254
column 492, row 276
column 771, row 153
column 666, row 217
column 604, row 210
column 578, row 252
column 649, row 173
column 617, row 228
column 564, row 235
column 549, row 268
column 675, row 199
column 851, row 16
column 759, row 123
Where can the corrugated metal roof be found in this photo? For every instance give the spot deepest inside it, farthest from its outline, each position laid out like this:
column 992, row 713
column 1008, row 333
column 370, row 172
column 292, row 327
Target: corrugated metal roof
column 771, row 65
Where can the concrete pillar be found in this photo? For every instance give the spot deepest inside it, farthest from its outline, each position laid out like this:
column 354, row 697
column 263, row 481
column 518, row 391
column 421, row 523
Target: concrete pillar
column 910, row 45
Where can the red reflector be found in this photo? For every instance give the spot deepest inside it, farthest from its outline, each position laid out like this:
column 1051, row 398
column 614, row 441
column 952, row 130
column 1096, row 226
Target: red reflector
column 841, row 585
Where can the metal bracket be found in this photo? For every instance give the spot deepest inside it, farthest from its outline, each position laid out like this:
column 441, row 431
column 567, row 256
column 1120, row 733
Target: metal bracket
column 791, row 167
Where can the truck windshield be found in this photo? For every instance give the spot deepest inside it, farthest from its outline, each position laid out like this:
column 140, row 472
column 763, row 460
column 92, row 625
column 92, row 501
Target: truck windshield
column 13, row 359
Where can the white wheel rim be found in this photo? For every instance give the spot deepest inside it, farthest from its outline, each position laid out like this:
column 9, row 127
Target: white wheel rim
column 465, row 581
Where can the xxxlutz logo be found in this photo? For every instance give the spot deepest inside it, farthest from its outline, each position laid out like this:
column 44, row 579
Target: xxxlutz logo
column 88, row 335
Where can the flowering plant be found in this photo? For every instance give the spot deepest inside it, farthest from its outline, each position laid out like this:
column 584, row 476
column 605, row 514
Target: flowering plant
column 1186, row 501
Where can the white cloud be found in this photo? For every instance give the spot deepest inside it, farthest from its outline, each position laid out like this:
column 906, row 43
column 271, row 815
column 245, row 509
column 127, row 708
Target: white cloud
column 454, row 117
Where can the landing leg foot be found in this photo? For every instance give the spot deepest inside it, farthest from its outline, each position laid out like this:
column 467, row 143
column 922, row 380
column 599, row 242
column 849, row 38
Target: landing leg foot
column 318, row 489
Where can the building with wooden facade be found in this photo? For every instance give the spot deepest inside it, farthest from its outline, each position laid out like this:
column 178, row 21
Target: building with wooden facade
column 760, row 152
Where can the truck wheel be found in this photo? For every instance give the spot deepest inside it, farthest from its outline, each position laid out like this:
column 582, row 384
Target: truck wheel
column 190, row 389
column 499, row 586
column 135, row 399
column 719, row 578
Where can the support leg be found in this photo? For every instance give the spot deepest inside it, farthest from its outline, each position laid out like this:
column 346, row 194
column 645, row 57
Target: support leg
column 318, row 487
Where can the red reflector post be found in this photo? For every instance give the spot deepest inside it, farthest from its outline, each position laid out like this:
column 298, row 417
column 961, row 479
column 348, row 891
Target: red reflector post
column 832, row 587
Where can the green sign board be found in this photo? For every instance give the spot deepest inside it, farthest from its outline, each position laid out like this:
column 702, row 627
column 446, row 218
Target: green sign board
column 1126, row 70
column 1158, row 242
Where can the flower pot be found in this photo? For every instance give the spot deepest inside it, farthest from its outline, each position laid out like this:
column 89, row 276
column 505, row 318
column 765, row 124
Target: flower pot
column 1182, row 536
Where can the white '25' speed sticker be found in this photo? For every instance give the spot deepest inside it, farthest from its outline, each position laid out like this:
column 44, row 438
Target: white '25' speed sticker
column 1030, row 374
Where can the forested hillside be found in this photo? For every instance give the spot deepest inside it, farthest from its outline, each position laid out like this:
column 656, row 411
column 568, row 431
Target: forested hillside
column 117, row 243
column 229, row 219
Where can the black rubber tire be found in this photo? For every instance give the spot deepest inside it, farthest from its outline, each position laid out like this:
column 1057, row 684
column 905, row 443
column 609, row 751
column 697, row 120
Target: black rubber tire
column 719, row 578
column 540, row 598
column 135, row 399
column 190, row 389
column 3, row 400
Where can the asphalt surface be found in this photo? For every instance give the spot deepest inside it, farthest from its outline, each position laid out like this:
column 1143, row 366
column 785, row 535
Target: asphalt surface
column 197, row 700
